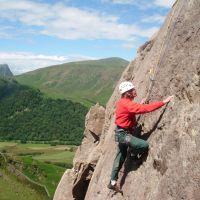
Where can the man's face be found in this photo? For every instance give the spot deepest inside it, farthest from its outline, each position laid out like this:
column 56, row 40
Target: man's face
column 132, row 93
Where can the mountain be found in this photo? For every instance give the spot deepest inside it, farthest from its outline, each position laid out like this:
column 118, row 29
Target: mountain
column 5, row 70
column 166, row 65
column 26, row 115
column 86, row 82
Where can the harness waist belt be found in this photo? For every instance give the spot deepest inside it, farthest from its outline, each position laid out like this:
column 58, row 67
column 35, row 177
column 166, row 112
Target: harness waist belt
column 126, row 129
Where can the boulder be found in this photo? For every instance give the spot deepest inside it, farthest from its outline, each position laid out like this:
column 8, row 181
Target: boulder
column 74, row 182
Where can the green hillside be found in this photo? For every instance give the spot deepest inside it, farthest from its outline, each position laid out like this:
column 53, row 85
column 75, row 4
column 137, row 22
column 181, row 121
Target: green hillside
column 26, row 115
column 86, row 82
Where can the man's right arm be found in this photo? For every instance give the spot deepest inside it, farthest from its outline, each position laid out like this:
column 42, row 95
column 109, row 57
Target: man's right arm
column 137, row 108
column 145, row 108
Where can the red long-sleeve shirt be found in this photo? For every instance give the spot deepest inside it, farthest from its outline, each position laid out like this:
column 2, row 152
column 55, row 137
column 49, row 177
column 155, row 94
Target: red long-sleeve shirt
column 126, row 110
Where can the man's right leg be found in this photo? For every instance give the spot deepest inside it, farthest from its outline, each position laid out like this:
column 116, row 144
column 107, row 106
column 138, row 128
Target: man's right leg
column 119, row 160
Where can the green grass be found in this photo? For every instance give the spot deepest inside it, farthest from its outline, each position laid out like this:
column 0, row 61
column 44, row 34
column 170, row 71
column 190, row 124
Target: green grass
column 43, row 173
column 34, row 146
column 42, row 163
column 11, row 188
column 7, row 144
column 66, row 156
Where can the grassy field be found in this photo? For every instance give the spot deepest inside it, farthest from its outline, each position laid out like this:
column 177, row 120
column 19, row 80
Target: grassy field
column 42, row 163
column 11, row 188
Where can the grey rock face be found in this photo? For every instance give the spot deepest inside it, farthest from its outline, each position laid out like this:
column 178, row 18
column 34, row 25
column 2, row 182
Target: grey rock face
column 169, row 64
column 5, row 70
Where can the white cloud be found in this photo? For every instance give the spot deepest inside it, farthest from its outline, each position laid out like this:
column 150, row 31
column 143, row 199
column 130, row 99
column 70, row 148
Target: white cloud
column 128, row 46
column 123, row 1
column 153, row 19
column 144, row 4
column 22, row 62
column 71, row 23
column 164, row 3
column 6, row 32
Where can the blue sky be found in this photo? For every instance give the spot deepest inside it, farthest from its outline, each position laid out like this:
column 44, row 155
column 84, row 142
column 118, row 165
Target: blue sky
column 39, row 33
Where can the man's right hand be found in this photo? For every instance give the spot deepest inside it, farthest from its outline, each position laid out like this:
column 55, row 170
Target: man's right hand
column 168, row 99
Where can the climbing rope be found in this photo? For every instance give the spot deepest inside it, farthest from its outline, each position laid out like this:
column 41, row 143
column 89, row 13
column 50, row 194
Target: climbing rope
column 154, row 70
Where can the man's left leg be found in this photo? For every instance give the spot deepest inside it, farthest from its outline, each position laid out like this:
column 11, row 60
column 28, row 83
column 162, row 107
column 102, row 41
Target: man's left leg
column 138, row 145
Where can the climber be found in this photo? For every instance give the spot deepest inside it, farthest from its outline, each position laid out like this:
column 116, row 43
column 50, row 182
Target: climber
column 125, row 121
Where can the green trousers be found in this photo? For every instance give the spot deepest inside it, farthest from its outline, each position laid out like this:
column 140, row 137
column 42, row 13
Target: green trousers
column 126, row 140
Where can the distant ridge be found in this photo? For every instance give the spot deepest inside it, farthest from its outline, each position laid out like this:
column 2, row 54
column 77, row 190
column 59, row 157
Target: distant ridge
column 86, row 82
column 5, row 70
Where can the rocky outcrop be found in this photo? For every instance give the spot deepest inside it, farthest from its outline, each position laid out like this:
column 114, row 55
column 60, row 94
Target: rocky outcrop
column 74, row 182
column 168, row 64
column 5, row 70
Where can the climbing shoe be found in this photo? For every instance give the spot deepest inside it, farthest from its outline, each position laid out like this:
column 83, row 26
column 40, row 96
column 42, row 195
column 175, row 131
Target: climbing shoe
column 114, row 187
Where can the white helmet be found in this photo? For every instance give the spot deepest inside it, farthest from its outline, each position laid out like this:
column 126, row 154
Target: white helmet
column 125, row 86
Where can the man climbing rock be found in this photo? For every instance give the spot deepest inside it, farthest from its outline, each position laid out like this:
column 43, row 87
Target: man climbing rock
column 126, row 111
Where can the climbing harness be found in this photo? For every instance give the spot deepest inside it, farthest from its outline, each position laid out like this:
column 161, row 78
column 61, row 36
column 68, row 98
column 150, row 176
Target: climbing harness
column 122, row 136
